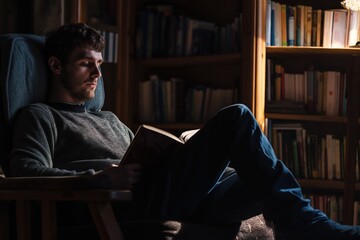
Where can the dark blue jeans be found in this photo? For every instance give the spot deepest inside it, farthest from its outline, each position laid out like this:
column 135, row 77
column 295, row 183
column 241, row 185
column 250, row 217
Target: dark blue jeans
column 228, row 172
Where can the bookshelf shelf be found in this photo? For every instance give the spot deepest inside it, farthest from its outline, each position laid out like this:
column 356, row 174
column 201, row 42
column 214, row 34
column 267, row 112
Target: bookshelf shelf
column 322, row 185
column 104, row 27
column 300, row 50
column 306, row 117
column 232, row 58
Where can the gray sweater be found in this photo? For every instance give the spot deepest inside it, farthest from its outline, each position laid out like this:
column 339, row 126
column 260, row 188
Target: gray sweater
column 63, row 139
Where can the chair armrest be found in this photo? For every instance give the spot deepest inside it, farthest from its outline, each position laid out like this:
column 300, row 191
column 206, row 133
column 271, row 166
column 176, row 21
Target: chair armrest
column 69, row 188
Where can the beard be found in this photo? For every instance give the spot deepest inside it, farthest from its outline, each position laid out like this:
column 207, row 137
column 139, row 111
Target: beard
column 78, row 91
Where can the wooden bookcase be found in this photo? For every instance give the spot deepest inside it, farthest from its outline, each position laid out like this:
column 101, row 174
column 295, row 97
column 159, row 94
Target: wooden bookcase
column 218, row 70
column 295, row 60
column 231, row 69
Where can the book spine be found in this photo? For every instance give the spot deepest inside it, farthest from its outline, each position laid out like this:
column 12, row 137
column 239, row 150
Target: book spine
column 291, row 25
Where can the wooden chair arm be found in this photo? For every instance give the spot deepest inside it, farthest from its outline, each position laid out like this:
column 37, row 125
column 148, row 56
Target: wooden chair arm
column 55, row 183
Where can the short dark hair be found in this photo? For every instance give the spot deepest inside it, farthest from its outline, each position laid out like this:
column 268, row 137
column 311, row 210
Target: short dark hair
column 62, row 42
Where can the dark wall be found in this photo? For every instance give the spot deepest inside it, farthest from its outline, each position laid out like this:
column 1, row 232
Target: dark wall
column 16, row 16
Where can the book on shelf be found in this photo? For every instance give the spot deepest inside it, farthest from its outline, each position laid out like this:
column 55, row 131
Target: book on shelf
column 111, row 46
column 279, row 81
column 310, row 90
column 339, row 28
column 200, row 37
column 289, row 145
column 291, row 28
column 277, row 23
column 353, row 28
column 335, row 150
column 300, row 25
column 327, row 28
column 268, row 23
column 152, row 31
column 308, row 25
column 332, row 92
column 284, row 33
column 152, row 144
column 314, row 28
column 146, row 104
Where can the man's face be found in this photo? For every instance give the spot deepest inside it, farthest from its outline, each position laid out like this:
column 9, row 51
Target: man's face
column 80, row 74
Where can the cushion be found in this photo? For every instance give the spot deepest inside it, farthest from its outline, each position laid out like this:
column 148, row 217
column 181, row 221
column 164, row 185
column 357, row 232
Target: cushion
column 24, row 76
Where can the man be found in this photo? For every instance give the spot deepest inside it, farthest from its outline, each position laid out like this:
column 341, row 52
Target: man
column 63, row 138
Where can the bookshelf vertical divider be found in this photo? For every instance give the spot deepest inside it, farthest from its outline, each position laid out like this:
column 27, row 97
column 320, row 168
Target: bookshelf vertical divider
column 353, row 141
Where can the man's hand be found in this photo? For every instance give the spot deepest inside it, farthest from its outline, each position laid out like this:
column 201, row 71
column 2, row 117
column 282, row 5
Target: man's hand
column 120, row 177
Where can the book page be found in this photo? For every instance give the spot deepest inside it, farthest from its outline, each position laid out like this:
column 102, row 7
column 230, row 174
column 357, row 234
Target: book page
column 185, row 136
column 149, row 145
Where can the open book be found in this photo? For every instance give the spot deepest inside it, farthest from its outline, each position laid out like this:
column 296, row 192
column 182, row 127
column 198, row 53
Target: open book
column 150, row 144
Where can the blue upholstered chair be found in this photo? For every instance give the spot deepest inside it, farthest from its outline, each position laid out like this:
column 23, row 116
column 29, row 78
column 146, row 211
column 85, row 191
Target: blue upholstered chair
column 23, row 79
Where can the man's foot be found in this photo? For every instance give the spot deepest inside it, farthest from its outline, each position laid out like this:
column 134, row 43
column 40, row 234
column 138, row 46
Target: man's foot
column 329, row 230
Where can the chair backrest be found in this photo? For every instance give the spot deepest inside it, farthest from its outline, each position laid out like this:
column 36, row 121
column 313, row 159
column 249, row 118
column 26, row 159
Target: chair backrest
column 24, row 80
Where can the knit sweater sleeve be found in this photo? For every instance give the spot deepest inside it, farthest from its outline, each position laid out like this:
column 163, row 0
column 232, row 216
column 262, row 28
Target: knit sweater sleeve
column 34, row 139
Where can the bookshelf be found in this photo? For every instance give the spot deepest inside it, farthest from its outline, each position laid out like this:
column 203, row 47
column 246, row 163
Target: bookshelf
column 202, row 68
column 343, row 125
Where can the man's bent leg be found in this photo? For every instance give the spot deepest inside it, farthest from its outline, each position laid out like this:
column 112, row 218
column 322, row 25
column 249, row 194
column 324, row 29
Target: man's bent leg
column 234, row 134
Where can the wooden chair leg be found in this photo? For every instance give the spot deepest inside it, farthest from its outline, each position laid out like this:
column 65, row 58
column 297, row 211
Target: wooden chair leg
column 4, row 220
column 48, row 220
column 105, row 221
column 23, row 222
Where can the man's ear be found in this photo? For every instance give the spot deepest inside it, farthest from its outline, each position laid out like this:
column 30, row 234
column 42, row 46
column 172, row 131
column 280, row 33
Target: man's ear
column 55, row 65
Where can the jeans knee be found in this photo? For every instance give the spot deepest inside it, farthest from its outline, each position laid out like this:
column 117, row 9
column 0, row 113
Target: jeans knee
column 237, row 108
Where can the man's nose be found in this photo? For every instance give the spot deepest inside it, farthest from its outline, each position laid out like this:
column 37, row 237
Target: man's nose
column 97, row 72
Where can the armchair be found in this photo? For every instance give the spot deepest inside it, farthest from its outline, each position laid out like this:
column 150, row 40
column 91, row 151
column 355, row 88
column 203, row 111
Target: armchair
column 23, row 76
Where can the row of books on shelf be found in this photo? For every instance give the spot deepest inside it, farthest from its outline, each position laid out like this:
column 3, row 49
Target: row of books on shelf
column 302, row 25
column 315, row 92
column 331, row 205
column 111, row 46
column 161, row 33
column 308, row 156
column 172, row 100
